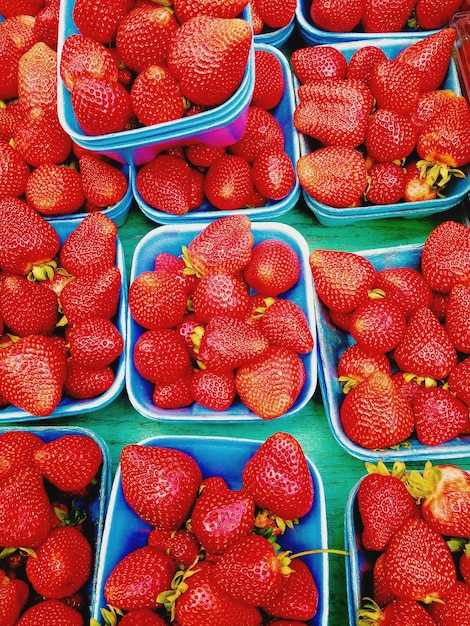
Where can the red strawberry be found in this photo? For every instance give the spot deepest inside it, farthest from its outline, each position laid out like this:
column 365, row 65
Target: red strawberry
column 95, row 343
column 49, row 612
column 46, row 24
column 284, row 323
column 386, row 16
column 10, row 117
column 103, row 183
column 386, row 183
column 82, row 383
column 269, row 80
column 418, row 563
column 273, row 174
column 165, row 184
column 142, row 617
column 219, row 294
column 100, row 20
column 17, row 448
column 274, row 267
column 203, row 155
column 26, row 238
column 208, row 57
column 425, row 349
column 176, row 394
column 335, row 175
column 382, row 594
column 174, row 265
column 185, row 10
column 155, row 84
column 27, row 307
column 159, row 484
column 14, row 173
column 363, row 61
column 459, row 381
column 55, row 190
column 157, row 300
column 213, row 390
column 445, row 259
column 262, row 131
column 395, row 612
column 37, row 83
column 278, row 477
column 417, row 188
column 40, row 138
column 405, row 286
column 10, row 8
column 375, row 415
column 91, row 246
column 431, row 103
column 32, row 373
column 13, row 593
column 390, row 136
column 160, row 356
column 10, row 55
column 377, row 325
column 395, row 85
column 313, row 63
column 456, row 606
column 82, row 56
column 222, row 516
column 457, row 316
column 432, row 15
column 181, row 544
column 338, row 16
column 228, row 182
column 69, row 462
column 356, row 364
column 138, row 578
column 342, row 279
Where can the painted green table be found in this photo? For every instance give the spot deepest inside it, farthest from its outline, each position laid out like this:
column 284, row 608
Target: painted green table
column 119, row 424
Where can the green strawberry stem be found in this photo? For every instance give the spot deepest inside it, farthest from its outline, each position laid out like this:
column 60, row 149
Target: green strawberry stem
column 420, row 486
column 398, row 469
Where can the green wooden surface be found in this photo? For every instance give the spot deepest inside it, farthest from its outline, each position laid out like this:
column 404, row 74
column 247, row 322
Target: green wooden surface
column 119, row 424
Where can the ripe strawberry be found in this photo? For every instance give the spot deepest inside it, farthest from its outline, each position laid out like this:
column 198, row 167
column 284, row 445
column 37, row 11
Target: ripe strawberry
column 100, row 20
column 464, row 563
column 384, row 505
column 459, row 381
column 382, row 594
column 55, row 190
column 269, row 81
column 180, row 544
column 138, row 578
column 203, row 155
column 219, row 294
column 334, row 111
column 445, row 259
column 274, row 267
column 457, row 312
column 377, row 325
column 46, row 24
column 417, row 188
column 153, row 85
column 185, row 10
column 143, row 36
column 405, row 286
column 13, row 594
column 431, row 103
column 390, row 136
column 174, row 265
column 228, row 182
column 103, row 183
column 83, row 383
column 456, row 606
column 356, row 364
column 208, row 57
column 313, row 63
column 395, row 612
column 32, row 374
column 213, row 390
column 395, row 86
column 445, row 139
column 160, row 356
column 363, row 61
column 37, row 78
column 221, row 517
column 10, row 116
column 432, row 15
column 95, row 343
column 14, row 172
column 342, row 279
column 159, row 484
column 224, row 245
column 386, row 183
column 49, row 612
column 10, row 55
column 284, row 323
column 69, row 462
column 157, row 300
column 82, row 56
column 142, row 617
column 165, row 184
column 9, row 8
column 387, row 16
column 28, row 308
column 375, row 415
column 17, row 448
column 41, row 139
column 339, row 16
column 335, row 175
column 431, row 55
column 425, row 349
column 413, row 550
column 276, row 14
column 100, row 105
column 262, row 131
column 96, row 295
column 278, row 477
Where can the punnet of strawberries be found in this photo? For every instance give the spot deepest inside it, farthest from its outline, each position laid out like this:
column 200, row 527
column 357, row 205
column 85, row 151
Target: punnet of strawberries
column 408, row 533
column 53, row 490
column 403, row 364
column 196, row 532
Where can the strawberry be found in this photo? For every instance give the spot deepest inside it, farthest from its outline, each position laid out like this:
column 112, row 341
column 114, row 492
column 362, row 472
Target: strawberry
column 186, row 329
column 156, row 84
column 55, row 190
column 41, row 139
column 11, row 598
column 375, row 415
column 100, row 105
column 386, row 16
column 342, row 279
column 431, row 103
column 165, row 184
column 69, row 462
column 10, row 55
column 356, row 364
column 418, row 564
column 46, row 24
column 37, row 78
column 219, row 294
column 278, row 477
column 334, row 111
column 377, row 325
column 417, row 188
column 221, row 517
column 464, row 563
column 298, row 598
column 10, row 117
column 28, row 308
column 273, row 174
column 208, row 57
column 95, row 343
column 459, row 381
column 143, row 36
column 457, row 311
column 49, row 612
column 203, row 155
column 405, row 286
column 138, row 578
column 363, row 61
column 96, row 295
column 185, row 10
column 100, row 20
column 269, row 80
column 456, row 606
column 103, row 183
column 386, row 183
column 14, row 173
column 26, row 238
column 394, row 613
column 160, row 356
column 82, row 56
column 213, row 390
column 382, row 594
column 313, row 63
column 445, row 139
column 159, row 484
column 174, row 265
column 390, row 136
column 83, row 383
column 384, row 506
column 17, row 448
column 262, row 131
column 445, row 259
column 32, row 373
column 276, row 14
column 425, row 349
column 284, row 323
column 274, row 267
column 395, row 86
column 252, row 562
column 228, row 182
column 142, row 617
column 180, row 544
column 406, row 384
column 431, row 56
column 338, row 16
column 223, row 245
column 335, row 175
column 9, row 8
column 157, row 300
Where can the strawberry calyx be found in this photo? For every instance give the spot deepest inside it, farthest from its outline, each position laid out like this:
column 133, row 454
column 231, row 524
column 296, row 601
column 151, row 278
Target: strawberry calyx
column 42, row 271
column 421, row 486
column 398, row 469
column 270, row 525
column 438, row 174
column 110, row 615
column 459, row 544
column 178, row 587
column 426, row 381
column 260, row 310
column 376, row 294
column 370, row 613
column 190, row 268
